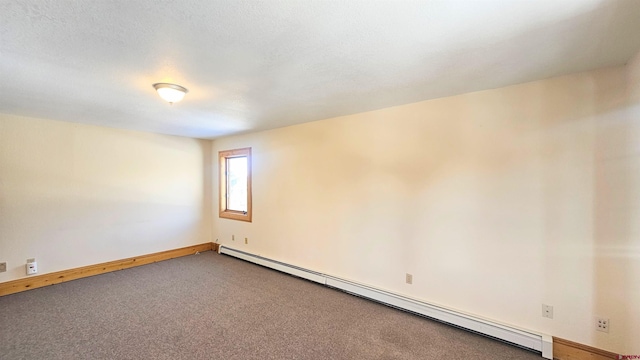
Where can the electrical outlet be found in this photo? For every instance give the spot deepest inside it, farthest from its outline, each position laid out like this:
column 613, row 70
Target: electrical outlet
column 32, row 266
column 409, row 279
column 602, row 324
column 3, row 266
column 233, row 237
column 246, row 240
column 547, row 311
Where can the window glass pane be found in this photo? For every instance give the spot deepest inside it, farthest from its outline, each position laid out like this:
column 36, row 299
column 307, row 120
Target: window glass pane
column 237, row 183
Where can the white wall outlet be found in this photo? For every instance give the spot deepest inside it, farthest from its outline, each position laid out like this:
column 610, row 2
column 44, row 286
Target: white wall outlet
column 602, row 324
column 409, row 279
column 547, row 311
column 32, row 266
column 3, row 266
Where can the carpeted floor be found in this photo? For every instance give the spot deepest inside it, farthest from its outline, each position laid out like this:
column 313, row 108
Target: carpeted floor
column 211, row 306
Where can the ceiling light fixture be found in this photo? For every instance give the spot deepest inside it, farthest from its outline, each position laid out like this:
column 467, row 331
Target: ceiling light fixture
column 171, row 93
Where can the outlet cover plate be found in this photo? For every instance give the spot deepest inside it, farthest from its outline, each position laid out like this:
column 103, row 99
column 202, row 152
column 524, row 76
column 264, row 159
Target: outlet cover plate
column 409, row 279
column 547, row 311
column 602, row 324
column 3, row 266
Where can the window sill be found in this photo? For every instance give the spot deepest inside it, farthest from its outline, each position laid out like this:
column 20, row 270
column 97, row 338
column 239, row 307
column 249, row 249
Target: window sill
column 235, row 215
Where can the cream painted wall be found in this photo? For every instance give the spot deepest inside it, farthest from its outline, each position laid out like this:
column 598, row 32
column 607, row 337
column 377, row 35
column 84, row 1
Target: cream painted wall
column 496, row 201
column 620, row 217
column 74, row 195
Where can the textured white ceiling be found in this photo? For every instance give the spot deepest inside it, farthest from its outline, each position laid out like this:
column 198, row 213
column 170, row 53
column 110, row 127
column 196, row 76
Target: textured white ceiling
column 253, row 65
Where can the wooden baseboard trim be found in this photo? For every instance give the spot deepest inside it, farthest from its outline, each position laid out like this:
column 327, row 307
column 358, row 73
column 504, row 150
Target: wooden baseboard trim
column 569, row 350
column 38, row 281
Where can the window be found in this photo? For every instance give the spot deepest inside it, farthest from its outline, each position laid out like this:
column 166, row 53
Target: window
column 235, row 184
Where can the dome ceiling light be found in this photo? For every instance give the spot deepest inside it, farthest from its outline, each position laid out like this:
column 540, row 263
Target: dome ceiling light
column 171, row 93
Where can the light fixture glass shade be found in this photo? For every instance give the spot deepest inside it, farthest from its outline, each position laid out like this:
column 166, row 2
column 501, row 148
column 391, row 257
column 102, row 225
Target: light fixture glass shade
column 171, row 93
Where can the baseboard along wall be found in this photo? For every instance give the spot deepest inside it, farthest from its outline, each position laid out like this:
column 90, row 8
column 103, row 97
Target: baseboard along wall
column 38, row 281
column 569, row 350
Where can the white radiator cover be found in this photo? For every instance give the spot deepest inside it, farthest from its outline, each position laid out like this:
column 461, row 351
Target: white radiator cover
column 528, row 339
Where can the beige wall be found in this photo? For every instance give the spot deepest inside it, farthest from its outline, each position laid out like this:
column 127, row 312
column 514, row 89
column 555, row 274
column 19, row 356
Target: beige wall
column 619, row 218
column 73, row 195
column 496, row 202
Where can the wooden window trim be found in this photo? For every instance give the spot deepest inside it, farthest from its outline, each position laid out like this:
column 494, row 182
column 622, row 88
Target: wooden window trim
column 222, row 182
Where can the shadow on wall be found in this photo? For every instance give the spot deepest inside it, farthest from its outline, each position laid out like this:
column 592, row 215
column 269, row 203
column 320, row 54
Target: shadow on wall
column 616, row 226
column 580, row 156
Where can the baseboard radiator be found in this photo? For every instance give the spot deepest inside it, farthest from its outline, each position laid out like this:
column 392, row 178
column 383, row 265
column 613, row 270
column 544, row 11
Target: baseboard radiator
column 526, row 339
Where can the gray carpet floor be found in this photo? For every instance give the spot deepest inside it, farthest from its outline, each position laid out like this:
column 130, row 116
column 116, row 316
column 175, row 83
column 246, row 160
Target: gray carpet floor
column 211, row 306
